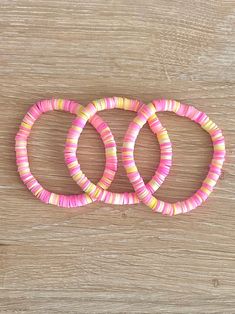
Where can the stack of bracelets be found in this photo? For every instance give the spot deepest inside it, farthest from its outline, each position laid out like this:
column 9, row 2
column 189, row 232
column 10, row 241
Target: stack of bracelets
column 143, row 192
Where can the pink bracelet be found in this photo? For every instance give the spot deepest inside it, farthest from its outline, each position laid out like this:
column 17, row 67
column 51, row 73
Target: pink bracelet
column 97, row 192
column 132, row 172
column 22, row 154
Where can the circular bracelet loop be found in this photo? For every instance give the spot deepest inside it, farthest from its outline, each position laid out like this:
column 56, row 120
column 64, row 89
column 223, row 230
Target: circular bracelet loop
column 98, row 192
column 22, row 154
column 215, row 167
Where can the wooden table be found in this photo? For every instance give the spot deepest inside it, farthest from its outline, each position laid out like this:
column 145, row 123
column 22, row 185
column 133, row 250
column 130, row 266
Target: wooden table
column 113, row 259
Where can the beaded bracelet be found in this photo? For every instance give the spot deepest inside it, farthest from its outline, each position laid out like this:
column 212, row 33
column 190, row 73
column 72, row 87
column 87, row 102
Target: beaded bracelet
column 22, row 154
column 214, row 170
column 96, row 191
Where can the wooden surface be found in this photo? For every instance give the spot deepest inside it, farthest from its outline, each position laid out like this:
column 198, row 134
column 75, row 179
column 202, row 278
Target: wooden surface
column 112, row 259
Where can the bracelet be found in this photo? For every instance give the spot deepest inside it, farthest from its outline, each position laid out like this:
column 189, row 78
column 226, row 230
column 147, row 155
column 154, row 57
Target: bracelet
column 95, row 191
column 214, row 170
column 22, row 153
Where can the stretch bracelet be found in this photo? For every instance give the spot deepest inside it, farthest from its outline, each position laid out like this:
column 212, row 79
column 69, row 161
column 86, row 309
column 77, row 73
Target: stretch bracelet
column 22, row 153
column 95, row 191
column 214, row 170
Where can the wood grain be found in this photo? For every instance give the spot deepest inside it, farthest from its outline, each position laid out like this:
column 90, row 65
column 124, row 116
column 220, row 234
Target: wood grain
column 112, row 259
